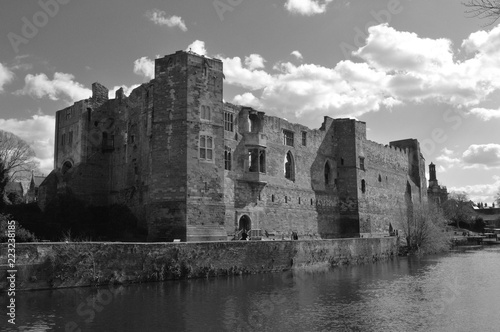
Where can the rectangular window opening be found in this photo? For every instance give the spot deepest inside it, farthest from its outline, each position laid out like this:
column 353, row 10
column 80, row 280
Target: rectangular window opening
column 206, row 146
column 288, row 137
column 227, row 159
column 228, row 121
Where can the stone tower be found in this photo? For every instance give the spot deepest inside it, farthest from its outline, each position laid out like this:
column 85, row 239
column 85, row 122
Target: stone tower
column 436, row 193
column 187, row 181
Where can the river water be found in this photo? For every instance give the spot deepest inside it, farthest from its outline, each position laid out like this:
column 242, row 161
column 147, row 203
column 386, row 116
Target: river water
column 459, row 291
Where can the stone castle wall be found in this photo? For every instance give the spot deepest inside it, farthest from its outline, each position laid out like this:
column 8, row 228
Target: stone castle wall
column 144, row 151
column 58, row 265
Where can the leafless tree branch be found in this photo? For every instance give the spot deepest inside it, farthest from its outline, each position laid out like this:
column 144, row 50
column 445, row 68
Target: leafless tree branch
column 17, row 156
column 484, row 9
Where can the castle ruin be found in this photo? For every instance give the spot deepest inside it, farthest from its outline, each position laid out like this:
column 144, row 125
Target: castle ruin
column 194, row 168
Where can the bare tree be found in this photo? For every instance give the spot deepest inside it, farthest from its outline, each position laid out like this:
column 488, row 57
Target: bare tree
column 497, row 197
column 459, row 208
column 424, row 228
column 3, row 183
column 17, row 157
column 485, row 9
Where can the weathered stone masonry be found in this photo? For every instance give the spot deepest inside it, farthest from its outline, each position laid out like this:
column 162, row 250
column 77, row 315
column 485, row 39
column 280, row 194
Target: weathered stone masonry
column 194, row 168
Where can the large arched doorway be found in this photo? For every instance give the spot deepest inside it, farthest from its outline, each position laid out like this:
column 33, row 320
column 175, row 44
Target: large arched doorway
column 244, row 223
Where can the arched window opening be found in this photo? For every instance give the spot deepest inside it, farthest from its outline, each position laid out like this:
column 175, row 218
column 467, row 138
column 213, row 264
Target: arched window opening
column 363, row 186
column 244, row 223
column 66, row 166
column 408, row 191
column 327, row 173
column 289, row 167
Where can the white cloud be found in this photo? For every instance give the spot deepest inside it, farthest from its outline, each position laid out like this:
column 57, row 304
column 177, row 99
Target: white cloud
column 482, row 155
column 145, row 67
column 6, row 76
column 447, row 159
column 254, row 61
column 397, row 67
column 481, row 192
column 485, row 114
column 197, row 47
column 447, row 152
column 307, row 7
column 297, row 54
column 19, row 64
column 238, row 75
column 247, row 99
column 307, row 92
column 159, row 17
column 38, row 132
column 422, row 68
column 126, row 90
column 62, row 86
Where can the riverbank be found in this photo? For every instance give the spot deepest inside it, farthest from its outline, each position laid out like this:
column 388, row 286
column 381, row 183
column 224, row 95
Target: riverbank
column 59, row 265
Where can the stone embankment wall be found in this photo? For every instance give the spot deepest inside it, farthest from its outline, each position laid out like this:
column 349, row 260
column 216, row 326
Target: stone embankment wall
column 56, row 265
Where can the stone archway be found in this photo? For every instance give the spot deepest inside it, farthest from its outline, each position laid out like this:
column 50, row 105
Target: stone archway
column 245, row 223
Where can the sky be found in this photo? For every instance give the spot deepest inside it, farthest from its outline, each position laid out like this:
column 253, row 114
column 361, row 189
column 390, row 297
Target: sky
column 421, row 69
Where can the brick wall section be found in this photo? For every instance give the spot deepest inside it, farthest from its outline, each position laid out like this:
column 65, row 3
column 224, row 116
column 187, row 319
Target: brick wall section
column 57, row 265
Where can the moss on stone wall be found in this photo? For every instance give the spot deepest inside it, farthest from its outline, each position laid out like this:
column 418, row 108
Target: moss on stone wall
column 56, row 265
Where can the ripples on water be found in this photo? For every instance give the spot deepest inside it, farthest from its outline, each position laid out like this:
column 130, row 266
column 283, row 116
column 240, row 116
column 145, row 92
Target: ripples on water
column 453, row 292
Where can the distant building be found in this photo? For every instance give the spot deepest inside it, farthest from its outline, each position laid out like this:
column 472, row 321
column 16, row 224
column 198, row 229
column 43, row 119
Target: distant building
column 436, row 193
column 32, row 193
column 491, row 216
column 192, row 167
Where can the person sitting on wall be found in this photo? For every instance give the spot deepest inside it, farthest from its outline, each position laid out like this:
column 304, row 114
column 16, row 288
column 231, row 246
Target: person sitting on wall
column 244, row 236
